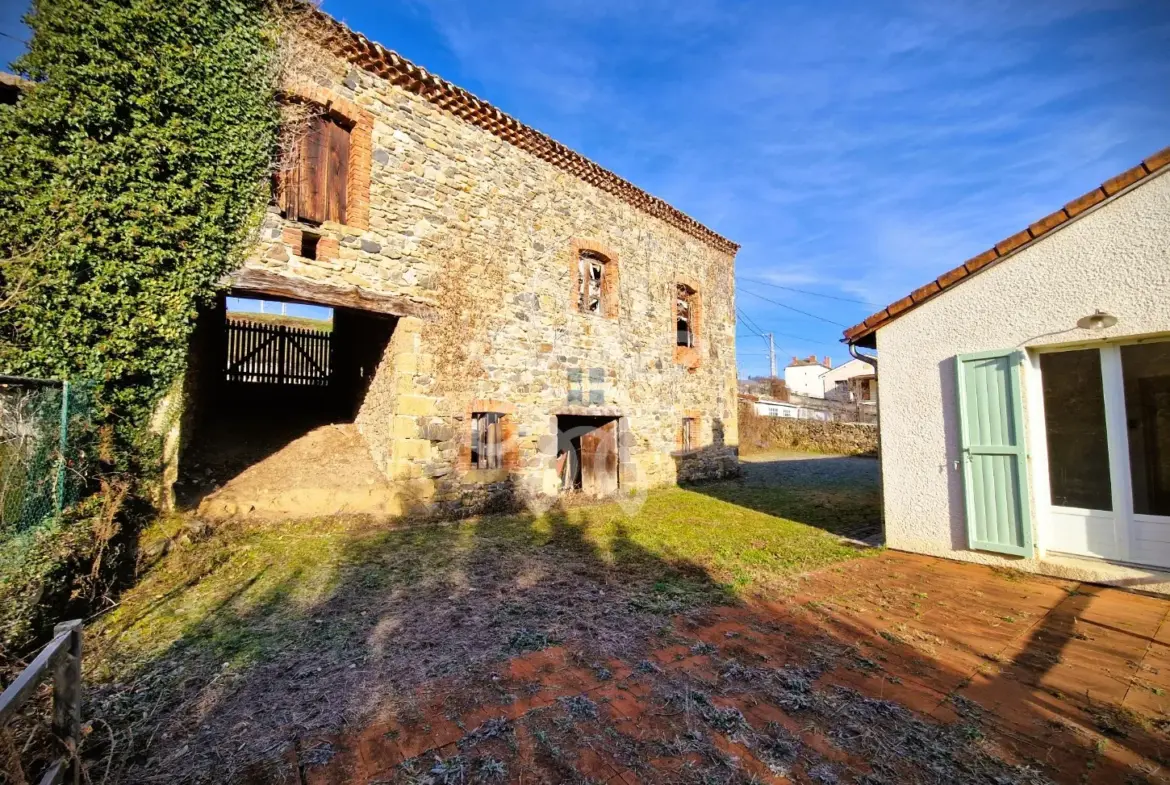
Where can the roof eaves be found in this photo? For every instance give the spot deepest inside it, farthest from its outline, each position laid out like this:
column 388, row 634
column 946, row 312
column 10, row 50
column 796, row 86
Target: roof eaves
column 1004, row 248
column 377, row 59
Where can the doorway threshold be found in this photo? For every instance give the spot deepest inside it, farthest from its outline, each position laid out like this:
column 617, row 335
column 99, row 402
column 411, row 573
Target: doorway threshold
column 1123, row 576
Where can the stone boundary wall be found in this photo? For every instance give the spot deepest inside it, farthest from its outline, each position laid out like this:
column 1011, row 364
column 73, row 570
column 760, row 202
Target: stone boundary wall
column 759, row 434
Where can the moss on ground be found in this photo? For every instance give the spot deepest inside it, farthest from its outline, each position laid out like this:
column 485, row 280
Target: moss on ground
column 252, row 618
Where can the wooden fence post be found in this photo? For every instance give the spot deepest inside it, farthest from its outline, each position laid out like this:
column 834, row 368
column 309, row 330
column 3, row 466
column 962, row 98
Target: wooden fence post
column 67, row 700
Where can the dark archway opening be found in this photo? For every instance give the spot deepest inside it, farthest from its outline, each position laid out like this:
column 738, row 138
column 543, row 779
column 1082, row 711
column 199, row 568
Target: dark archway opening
column 264, row 373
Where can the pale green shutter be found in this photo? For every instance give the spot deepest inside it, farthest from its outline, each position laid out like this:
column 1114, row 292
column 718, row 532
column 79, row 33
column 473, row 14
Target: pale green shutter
column 993, row 453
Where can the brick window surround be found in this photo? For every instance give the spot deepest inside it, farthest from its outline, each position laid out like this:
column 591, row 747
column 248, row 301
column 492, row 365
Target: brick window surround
column 687, row 356
column 609, row 281
column 696, row 421
column 327, row 247
column 511, row 453
column 361, row 135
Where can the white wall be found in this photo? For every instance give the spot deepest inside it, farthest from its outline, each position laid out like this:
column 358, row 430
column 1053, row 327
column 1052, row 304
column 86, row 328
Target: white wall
column 776, row 409
column 843, row 373
column 1115, row 258
column 805, row 380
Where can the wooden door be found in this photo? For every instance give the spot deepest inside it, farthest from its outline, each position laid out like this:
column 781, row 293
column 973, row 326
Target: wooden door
column 599, row 460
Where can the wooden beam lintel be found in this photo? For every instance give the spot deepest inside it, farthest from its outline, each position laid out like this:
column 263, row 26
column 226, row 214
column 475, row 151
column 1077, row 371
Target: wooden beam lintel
column 263, row 282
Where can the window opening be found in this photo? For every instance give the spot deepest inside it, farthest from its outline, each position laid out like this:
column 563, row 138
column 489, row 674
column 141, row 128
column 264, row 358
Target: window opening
column 487, row 443
column 685, row 324
column 591, row 282
column 688, row 433
column 309, row 245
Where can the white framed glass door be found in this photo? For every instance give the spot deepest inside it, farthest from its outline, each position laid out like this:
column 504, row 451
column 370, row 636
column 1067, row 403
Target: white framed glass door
column 1107, row 437
column 1145, row 377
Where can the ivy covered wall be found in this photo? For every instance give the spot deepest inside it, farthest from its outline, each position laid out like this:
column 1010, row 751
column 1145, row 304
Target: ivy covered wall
column 133, row 172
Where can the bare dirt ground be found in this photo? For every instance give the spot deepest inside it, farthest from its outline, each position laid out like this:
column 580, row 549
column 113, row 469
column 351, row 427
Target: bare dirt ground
column 897, row 669
column 327, row 471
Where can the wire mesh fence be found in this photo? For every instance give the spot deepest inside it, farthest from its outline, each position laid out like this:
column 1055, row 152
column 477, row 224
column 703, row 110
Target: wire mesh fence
column 45, row 427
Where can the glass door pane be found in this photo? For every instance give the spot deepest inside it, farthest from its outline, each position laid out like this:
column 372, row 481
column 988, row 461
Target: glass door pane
column 1146, row 373
column 1074, row 421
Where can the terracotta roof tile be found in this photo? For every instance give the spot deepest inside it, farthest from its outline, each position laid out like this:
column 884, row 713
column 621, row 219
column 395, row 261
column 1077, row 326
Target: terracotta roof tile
column 389, row 65
column 1158, row 159
column 901, row 305
column 1050, row 221
column 925, row 292
column 976, row 263
column 1155, row 163
column 1013, row 242
column 952, row 277
column 1082, row 203
column 1123, row 180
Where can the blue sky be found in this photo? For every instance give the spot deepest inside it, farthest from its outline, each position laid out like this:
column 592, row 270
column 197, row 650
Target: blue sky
column 856, row 149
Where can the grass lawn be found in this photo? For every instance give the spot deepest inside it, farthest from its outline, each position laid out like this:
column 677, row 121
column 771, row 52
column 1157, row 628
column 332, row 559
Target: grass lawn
column 294, row 629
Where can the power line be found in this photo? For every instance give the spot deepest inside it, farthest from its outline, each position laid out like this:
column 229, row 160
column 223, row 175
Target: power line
column 751, row 325
column 797, row 310
column 811, row 294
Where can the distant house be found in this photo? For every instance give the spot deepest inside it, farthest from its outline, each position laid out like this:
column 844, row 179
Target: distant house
column 803, row 377
column 853, row 382
column 768, row 407
column 1025, row 403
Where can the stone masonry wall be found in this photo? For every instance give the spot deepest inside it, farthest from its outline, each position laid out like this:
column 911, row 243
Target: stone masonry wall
column 486, row 236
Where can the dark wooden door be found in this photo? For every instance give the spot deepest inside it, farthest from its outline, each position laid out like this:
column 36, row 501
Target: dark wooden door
column 599, row 460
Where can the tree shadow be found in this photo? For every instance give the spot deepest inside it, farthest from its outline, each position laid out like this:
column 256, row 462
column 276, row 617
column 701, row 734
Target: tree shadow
column 291, row 648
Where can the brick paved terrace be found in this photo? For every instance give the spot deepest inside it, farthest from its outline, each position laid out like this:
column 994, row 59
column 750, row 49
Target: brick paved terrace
column 893, row 669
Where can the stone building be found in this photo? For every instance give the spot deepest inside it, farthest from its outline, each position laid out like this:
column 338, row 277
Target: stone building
column 511, row 319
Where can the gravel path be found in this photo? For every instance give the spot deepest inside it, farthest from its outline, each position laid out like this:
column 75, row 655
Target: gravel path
column 810, row 469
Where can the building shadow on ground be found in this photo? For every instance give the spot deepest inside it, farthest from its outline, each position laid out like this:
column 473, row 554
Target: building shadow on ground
column 421, row 633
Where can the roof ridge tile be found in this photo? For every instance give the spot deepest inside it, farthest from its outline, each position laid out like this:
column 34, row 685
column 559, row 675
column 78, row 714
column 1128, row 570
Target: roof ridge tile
column 387, row 64
column 1009, row 245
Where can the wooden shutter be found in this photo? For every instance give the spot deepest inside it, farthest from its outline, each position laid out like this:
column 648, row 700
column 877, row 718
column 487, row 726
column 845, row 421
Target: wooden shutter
column 288, row 180
column 338, row 167
column 313, row 171
column 993, row 452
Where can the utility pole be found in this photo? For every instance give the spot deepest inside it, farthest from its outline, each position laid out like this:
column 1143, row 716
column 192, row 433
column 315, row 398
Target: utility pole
column 771, row 354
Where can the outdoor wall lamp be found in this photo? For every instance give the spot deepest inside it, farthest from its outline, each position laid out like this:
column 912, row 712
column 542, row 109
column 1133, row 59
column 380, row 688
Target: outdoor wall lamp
column 1098, row 320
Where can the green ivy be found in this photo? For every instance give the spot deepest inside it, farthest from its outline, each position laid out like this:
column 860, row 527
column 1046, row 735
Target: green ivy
column 133, row 173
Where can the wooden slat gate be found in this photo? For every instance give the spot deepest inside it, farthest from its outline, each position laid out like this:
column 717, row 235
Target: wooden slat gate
column 60, row 661
column 277, row 354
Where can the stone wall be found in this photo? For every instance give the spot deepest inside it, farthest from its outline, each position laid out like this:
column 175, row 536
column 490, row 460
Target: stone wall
column 484, row 237
column 764, row 434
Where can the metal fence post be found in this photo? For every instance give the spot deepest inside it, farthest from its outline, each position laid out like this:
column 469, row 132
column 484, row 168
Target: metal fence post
column 59, row 493
column 67, row 700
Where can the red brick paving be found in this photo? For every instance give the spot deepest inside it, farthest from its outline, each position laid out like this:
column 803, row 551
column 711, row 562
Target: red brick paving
column 1071, row 680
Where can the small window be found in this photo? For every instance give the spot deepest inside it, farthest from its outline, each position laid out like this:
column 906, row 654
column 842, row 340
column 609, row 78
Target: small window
column 487, row 440
column 591, row 283
column 685, row 316
column 309, row 245
column 314, row 179
column 689, row 436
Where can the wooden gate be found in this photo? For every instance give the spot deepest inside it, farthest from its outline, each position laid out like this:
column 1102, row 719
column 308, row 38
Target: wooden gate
column 277, row 354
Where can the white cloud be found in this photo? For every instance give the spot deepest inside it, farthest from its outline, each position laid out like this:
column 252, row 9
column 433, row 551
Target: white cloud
column 856, row 148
